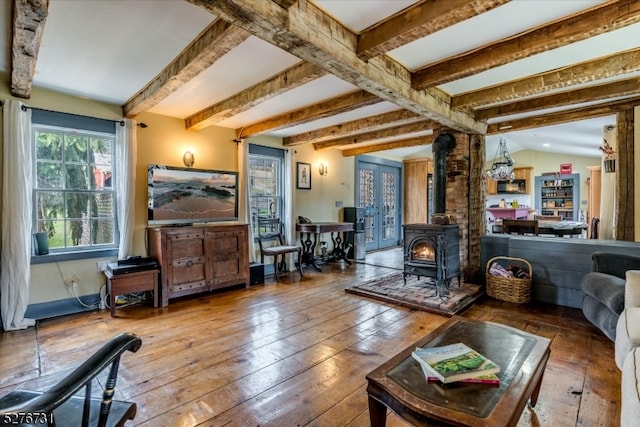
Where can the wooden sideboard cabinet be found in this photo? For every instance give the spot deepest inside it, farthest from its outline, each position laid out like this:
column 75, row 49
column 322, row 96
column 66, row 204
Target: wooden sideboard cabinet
column 197, row 259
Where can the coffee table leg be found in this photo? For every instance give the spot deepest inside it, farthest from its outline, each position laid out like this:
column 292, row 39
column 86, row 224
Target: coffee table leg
column 377, row 413
column 536, row 391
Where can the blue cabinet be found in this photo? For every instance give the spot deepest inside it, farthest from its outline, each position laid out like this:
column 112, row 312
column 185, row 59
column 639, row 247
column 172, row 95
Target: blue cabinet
column 558, row 195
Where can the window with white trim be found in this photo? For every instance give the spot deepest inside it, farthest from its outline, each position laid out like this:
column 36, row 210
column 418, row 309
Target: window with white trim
column 74, row 200
column 266, row 190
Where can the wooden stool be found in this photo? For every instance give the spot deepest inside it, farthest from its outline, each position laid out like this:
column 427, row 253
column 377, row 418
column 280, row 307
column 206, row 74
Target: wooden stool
column 127, row 283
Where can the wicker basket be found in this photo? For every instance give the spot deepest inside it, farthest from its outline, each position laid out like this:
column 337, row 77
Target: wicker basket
column 510, row 289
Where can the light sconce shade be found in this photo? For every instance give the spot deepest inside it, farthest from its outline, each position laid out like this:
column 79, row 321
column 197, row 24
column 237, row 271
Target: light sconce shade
column 323, row 169
column 188, row 159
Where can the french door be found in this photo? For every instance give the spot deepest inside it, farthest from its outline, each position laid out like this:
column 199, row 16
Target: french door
column 378, row 190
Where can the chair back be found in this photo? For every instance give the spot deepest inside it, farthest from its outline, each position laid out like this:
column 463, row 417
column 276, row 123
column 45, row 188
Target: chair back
column 593, row 230
column 520, row 226
column 270, row 229
column 547, row 217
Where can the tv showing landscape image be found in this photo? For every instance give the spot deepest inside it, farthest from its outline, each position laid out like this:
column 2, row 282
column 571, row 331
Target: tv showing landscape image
column 187, row 196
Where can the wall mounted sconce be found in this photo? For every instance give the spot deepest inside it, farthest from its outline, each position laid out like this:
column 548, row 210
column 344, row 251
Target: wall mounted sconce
column 323, row 169
column 188, row 159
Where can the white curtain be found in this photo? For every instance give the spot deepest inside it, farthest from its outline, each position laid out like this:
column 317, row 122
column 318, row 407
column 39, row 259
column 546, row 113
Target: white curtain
column 126, row 152
column 15, row 257
column 245, row 205
column 288, row 218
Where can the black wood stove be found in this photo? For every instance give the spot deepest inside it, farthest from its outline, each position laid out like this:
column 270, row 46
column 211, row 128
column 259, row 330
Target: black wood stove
column 432, row 250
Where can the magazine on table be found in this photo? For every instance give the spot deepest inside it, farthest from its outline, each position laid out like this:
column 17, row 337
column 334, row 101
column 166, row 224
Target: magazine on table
column 454, row 362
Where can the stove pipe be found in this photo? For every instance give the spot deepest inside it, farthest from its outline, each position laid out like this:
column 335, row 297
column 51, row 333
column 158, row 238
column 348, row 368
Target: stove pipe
column 442, row 144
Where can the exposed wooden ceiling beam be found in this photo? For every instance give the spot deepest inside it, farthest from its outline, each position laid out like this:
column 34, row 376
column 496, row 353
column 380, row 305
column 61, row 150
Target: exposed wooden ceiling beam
column 211, row 44
column 285, row 3
column 419, row 20
column 598, row 20
column 29, row 17
column 615, row 89
column 573, row 115
column 386, row 133
column 289, row 79
column 330, row 107
column 310, row 34
column 409, row 142
column 609, row 66
column 379, row 121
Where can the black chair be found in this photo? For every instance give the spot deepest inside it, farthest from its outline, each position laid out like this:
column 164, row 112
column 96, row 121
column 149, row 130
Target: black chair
column 272, row 243
column 593, row 229
column 520, row 226
column 67, row 409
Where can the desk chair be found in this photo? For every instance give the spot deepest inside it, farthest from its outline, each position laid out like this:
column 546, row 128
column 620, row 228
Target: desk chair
column 520, row 226
column 270, row 230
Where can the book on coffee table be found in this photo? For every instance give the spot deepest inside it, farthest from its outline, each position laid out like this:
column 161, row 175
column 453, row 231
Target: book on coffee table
column 454, row 362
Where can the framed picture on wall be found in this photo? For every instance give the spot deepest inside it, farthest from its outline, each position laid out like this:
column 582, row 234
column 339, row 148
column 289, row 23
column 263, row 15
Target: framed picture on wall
column 303, row 172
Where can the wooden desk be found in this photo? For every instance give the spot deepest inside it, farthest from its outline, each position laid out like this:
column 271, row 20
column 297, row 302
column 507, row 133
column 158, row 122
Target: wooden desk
column 399, row 384
column 127, row 283
column 314, row 229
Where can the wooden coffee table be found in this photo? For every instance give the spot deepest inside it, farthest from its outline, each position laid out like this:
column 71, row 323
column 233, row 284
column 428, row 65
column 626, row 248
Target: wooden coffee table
column 399, row 384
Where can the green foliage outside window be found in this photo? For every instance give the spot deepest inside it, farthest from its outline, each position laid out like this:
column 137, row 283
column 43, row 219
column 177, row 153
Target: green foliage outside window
column 73, row 194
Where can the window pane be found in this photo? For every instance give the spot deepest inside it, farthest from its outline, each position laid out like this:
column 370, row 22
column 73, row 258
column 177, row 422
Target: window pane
column 49, row 175
column 75, row 148
column 78, row 233
column 102, row 232
column 48, row 145
column 49, row 205
column 103, row 205
column 76, row 177
column 56, row 232
column 101, row 177
column 77, row 205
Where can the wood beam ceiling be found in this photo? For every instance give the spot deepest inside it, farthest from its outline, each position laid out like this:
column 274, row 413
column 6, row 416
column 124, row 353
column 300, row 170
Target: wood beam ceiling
column 386, row 133
column 565, row 116
column 403, row 143
column 371, row 123
column 588, row 71
column 421, row 19
column 310, row 34
column 598, row 20
column 29, row 18
column 289, row 79
column 335, row 105
column 620, row 88
column 211, row 44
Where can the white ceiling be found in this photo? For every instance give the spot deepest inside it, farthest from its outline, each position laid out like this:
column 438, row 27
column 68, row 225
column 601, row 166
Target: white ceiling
column 108, row 50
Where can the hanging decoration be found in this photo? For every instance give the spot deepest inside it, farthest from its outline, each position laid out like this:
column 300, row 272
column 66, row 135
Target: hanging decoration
column 609, row 157
column 502, row 167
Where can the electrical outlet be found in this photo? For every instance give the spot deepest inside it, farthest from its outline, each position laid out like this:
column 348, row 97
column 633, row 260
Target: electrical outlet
column 102, row 266
column 68, row 282
column 75, row 279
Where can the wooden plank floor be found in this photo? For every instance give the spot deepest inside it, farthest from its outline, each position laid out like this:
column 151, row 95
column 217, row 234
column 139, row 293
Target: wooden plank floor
column 296, row 353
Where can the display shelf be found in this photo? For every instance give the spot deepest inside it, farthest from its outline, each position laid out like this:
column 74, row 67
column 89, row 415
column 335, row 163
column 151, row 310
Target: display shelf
column 558, row 195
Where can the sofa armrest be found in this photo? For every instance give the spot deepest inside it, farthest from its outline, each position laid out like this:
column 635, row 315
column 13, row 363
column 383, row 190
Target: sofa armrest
column 614, row 263
column 632, row 290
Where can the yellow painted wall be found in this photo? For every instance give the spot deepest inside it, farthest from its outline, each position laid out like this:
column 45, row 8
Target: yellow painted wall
column 165, row 140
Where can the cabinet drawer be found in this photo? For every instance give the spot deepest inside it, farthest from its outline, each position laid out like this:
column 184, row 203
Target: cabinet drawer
column 195, row 286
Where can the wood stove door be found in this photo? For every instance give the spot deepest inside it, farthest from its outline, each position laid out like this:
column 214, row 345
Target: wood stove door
column 379, row 192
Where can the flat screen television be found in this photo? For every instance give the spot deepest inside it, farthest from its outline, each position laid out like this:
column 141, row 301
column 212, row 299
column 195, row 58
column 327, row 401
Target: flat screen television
column 187, row 196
